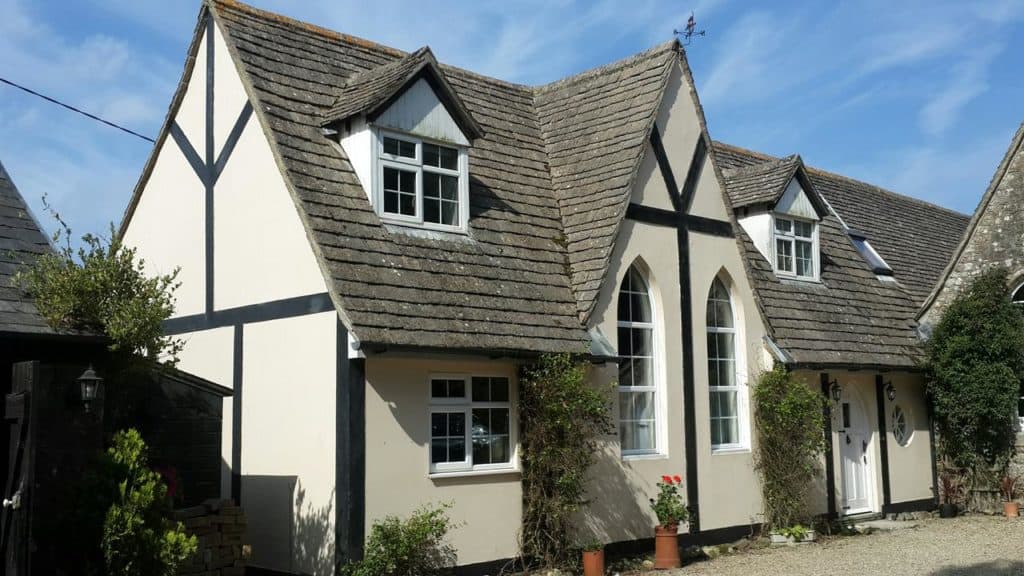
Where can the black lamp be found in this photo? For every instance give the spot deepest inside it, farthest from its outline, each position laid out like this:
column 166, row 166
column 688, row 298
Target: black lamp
column 89, row 384
column 890, row 391
column 837, row 390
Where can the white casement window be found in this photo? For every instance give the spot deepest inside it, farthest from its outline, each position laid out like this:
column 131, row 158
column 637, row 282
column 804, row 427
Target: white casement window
column 471, row 425
column 796, row 243
column 421, row 182
column 638, row 390
column 728, row 398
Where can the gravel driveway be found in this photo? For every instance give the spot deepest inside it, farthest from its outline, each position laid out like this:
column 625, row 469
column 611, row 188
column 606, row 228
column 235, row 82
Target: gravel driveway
column 969, row 546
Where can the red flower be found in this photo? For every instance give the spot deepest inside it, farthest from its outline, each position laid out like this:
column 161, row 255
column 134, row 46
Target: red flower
column 678, row 479
column 666, row 479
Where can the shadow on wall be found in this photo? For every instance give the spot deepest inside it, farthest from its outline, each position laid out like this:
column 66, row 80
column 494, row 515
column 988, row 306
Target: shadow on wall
column 997, row 568
column 287, row 532
column 614, row 513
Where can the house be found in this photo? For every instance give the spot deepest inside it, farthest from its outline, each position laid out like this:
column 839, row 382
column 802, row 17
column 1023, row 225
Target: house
column 995, row 237
column 372, row 244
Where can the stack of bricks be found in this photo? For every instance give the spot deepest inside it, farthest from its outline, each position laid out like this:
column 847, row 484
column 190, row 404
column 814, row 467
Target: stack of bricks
column 219, row 528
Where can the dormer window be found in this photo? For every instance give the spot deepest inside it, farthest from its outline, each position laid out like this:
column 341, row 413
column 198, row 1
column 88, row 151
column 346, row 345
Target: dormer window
column 796, row 247
column 421, row 182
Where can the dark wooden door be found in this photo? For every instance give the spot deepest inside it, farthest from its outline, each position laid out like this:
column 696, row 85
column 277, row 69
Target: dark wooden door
column 15, row 520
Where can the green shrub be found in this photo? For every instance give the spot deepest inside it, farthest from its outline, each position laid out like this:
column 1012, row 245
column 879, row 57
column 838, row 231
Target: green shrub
column 138, row 537
column 974, row 364
column 412, row 547
column 788, row 416
column 563, row 418
column 103, row 288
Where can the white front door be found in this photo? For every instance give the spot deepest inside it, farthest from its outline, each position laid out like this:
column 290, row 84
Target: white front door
column 854, row 454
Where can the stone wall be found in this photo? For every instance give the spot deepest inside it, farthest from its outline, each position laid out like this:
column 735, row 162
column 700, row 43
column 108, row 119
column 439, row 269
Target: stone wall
column 219, row 526
column 997, row 238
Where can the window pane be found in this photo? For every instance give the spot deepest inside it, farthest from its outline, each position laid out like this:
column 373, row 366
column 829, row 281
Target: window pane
column 500, row 452
column 449, row 213
column 804, row 258
column 456, row 424
column 723, row 312
column 396, row 147
column 408, row 181
column 803, row 229
column 481, row 422
column 784, row 255
column 438, row 450
column 731, row 431
column 438, row 424
column 712, row 345
column 643, row 372
column 725, row 345
column 456, row 389
column 390, row 178
column 783, row 225
column 457, row 450
column 643, row 406
column 407, row 204
column 625, row 341
column 390, row 146
column 481, row 390
column 431, row 210
column 499, row 421
column 449, row 187
column 626, row 372
column 726, row 373
column 713, row 373
column 716, row 432
column 440, row 156
column 644, row 434
column 623, row 305
column 431, row 185
column 499, row 389
column 642, row 344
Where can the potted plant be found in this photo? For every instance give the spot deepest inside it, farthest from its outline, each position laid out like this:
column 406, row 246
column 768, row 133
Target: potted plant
column 593, row 559
column 1008, row 487
column 670, row 510
column 951, row 485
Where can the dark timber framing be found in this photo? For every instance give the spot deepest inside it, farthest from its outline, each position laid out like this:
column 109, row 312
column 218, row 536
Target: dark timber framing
column 350, row 453
column 236, row 417
column 830, row 469
column 684, row 223
column 883, row 442
column 209, row 167
column 274, row 310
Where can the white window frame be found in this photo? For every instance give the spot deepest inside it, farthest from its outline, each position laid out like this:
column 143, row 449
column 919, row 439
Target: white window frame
column 792, row 238
column 382, row 160
column 1019, row 289
column 907, row 423
column 657, row 384
column 739, row 379
column 465, row 405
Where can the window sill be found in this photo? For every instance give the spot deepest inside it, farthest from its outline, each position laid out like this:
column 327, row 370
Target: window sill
column 786, row 276
column 641, row 457
column 472, row 473
column 730, row 450
column 415, row 225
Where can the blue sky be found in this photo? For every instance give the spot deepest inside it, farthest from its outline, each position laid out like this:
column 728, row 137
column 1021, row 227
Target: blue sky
column 918, row 96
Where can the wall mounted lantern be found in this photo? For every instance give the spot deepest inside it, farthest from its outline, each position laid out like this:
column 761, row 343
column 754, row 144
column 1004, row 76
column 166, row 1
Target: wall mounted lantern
column 837, row 390
column 89, row 384
column 890, row 391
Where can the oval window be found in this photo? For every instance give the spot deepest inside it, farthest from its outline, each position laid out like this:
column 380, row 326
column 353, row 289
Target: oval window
column 900, row 427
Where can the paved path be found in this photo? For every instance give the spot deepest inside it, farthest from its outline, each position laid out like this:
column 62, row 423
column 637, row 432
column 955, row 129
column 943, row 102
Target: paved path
column 969, row 546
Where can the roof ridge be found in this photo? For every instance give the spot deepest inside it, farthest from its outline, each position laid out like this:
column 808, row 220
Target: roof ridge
column 821, row 171
column 307, row 26
column 605, row 68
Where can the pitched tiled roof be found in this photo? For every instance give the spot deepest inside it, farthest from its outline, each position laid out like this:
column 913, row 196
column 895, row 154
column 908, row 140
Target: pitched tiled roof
column 371, row 90
column 914, row 237
column 21, row 240
column 760, row 183
column 594, row 127
column 851, row 317
column 521, row 277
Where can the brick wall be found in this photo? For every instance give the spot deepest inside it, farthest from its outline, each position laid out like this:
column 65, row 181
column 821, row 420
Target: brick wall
column 219, row 526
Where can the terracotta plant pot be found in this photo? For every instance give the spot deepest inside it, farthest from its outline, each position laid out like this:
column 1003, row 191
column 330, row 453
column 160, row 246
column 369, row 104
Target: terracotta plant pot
column 666, row 547
column 1011, row 509
column 593, row 563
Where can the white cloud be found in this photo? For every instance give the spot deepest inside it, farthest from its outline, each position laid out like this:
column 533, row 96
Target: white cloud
column 968, row 80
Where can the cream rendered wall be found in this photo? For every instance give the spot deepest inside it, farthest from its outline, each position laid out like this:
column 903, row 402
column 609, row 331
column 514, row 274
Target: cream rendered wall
column 261, row 251
column 168, row 227
column 288, row 441
column 759, row 227
column 910, row 466
column 488, row 507
column 621, row 486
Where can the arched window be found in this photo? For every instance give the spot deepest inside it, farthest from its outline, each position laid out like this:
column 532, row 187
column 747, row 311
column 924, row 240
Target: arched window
column 1017, row 297
column 728, row 395
column 637, row 389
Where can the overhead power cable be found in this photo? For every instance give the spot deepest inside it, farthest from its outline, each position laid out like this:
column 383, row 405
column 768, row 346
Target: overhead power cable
column 73, row 109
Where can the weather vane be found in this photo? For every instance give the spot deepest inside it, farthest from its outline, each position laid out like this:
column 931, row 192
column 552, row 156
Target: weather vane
column 690, row 31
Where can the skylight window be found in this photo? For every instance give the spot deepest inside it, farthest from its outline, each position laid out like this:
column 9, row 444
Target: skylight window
column 877, row 263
